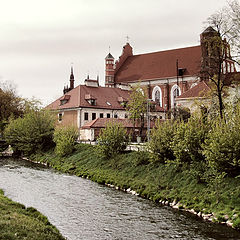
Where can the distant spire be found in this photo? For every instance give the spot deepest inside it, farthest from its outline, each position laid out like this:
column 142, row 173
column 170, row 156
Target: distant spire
column 127, row 37
column 71, row 75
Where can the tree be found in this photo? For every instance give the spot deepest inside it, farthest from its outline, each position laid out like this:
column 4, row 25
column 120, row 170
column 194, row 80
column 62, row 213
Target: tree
column 11, row 105
column 113, row 139
column 160, row 143
column 137, row 106
column 64, row 138
column 216, row 40
column 31, row 133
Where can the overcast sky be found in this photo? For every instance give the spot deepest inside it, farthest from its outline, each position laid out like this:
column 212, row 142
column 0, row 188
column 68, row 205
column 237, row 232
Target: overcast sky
column 39, row 39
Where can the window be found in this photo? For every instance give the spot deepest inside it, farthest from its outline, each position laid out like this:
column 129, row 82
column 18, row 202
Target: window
column 126, row 116
column 85, row 116
column 93, row 116
column 157, row 95
column 175, row 92
column 60, row 115
column 108, row 115
column 101, row 115
column 115, row 115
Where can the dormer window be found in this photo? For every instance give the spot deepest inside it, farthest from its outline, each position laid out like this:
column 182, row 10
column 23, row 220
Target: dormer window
column 92, row 102
column 64, row 99
column 90, row 99
column 123, row 102
column 109, row 104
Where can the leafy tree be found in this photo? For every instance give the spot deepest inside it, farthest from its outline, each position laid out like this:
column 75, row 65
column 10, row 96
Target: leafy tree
column 11, row 105
column 64, row 138
column 112, row 140
column 188, row 139
column 31, row 133
column 222, row 147
column 225, row 23
column 137, row 106
column 160, row 143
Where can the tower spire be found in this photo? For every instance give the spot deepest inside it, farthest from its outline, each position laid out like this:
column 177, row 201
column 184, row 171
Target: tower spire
column 71, row 78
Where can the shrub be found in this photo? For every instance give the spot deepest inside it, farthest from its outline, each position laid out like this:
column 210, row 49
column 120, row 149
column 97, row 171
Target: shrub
column 222, row 147
column 31, row 133
column 112, row 140
column 160, row 143
column 65, row 138
column 188, row 139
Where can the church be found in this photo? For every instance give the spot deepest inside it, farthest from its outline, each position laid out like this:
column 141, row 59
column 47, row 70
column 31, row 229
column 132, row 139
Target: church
column 167, row 75
column 172, row 78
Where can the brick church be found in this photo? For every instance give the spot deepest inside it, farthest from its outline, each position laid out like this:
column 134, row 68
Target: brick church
column 172, row 78
column 166, row 74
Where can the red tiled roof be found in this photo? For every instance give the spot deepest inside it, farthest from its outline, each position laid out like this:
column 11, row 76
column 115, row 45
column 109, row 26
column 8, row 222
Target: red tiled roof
column 159, row 65
column 101, row 123
column 105, row 98
column 200, row 90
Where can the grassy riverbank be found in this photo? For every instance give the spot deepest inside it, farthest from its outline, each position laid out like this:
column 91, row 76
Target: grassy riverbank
column 158, row 182
column 18, row 222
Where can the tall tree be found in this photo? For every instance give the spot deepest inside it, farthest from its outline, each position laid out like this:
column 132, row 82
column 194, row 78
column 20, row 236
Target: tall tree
column 216, row 41
column 137, row 106
column 12, row 105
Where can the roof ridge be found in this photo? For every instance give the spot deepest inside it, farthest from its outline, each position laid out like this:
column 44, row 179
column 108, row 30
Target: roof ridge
column 167, row 50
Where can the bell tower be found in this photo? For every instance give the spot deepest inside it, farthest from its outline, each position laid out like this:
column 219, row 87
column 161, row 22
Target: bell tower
column 109, row 70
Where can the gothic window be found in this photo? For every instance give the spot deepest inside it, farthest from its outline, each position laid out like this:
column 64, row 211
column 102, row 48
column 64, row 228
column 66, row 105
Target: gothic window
column 175, row 92
column 157, row 95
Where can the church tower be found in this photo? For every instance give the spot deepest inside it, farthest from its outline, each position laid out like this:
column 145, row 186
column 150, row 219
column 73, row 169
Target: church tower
column 71, row 79
column 66, row 88
column 109, row 70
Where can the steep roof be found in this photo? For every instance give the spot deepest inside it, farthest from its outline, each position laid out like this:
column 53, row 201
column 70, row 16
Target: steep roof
column 200, row 90
column 107, row 98
column 159, row 65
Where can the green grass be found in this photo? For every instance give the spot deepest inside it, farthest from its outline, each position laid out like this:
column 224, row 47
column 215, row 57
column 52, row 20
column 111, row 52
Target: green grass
column 18, row 222
column 153, row 181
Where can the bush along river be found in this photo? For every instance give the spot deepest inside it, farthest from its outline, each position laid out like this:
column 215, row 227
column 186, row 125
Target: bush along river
column 82, row 209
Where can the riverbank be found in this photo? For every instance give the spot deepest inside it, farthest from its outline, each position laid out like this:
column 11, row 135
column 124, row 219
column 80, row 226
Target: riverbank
column 18, row 222
column 164, row 183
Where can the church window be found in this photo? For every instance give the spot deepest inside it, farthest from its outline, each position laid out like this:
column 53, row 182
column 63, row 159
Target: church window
column 157, row 95
column 175, row 92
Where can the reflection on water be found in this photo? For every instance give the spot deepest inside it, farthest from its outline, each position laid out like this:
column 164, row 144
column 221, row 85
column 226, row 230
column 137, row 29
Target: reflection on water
column 82, row 209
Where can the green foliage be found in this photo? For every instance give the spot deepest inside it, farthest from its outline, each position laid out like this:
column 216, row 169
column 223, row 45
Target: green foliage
column 188, row 139
column 112, row 140
column 181, row 114
column 64, row 138
column 160, row 143
column 222, row 147
column 18, row 222
column 11, row 105
column 31, row 133
column 137, row 106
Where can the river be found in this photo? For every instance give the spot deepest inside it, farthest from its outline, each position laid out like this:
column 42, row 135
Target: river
column 82, row 209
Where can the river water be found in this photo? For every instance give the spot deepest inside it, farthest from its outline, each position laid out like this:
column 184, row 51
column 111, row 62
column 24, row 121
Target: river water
column 82, row 209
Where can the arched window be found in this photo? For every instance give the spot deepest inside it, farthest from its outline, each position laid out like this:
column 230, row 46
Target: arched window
column 175, row 92
column 157, row 95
